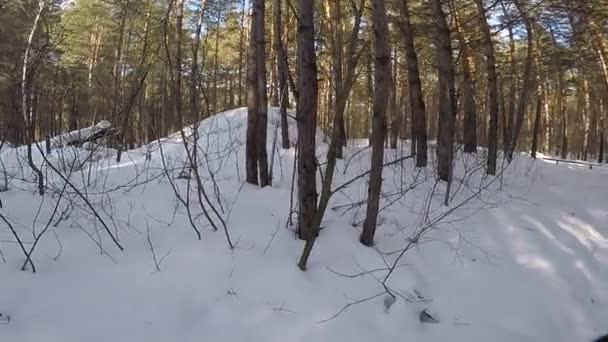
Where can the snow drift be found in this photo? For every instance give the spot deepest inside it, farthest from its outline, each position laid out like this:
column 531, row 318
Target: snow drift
column 526, row 260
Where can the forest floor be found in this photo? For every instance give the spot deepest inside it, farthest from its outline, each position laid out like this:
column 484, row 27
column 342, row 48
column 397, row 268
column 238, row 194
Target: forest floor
column 522, row 256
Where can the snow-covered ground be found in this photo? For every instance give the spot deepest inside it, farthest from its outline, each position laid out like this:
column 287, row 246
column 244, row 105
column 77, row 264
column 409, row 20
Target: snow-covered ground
column 525, row 260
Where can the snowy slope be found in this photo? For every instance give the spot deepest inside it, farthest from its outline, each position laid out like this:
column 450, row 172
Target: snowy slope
column 525, row 261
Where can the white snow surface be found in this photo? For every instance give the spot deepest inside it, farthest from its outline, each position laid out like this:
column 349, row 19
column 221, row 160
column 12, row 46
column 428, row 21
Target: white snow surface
column 527, row 260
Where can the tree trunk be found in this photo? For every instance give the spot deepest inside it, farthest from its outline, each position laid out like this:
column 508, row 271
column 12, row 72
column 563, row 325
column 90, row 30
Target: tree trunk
column 446, row 94
column 602, row 138
column 194, row 73
column 468, row 89
column 306, row 115
column 488, row 51
column 25, row 99
column 214, row 98
column 282, row 71
column 241, row 44
column 537, row 117
column 509, row 112
column 262, row 115
column 540, row 103
column 256, row 155
column 382, row 85
column 417, row 106
column 528, row 81
column 177, row 90
column 394, row 113
column 335, row 20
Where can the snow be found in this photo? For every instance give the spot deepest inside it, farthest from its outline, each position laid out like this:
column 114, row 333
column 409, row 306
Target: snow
column 527, row 260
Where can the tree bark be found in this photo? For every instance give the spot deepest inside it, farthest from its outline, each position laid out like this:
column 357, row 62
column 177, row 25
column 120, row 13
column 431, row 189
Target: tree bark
column 281, row 60
column 262, row 115
column 417, row 106
column 394, row 112
column 468, row 89
column 306, row 117
column 492, row 80
column 241, row 44
column 25, row 99
column 446, row 94
column 540, row 102
column 509, row 112
column 528, row 78
column 214, row 98
column 194, row 73
column 177, row 87
column 256, row 155
column 602, row 138
column 382, row 85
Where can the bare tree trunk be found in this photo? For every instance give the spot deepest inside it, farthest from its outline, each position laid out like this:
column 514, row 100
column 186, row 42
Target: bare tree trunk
column 177, row 92
column 306, row 115
column 25, row 97
column 528, row 81
column 540, row 103
column 590, row 122
column 446, row 94
column 241, row 44
column 394, row 113
column 262, row 114
column 118, row 72
column 335, row 143
column 194, row 73
column 343, row 75
column 253, row 94
column 418, row 111
column 492, row 89
column 382, row 85
column 509, row 113
column 602, row 136
column 281, row 60
column 537, row 118
column 335, row 19
column 564, row 129
column 216, row 62
column 468, row 89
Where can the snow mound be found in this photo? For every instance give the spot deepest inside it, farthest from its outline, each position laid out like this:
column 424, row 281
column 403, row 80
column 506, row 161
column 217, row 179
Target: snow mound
column 524, row 260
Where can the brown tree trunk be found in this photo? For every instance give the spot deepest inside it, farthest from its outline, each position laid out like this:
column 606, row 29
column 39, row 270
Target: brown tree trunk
column 417, row 106
column 540, row 103
column 382, row 85
column 26, row 105
column 469, row 128
column 177, row 87
column 446, row 94
column 117, row 98
column 528, row 78
column 509, row 112
column 394, row 113
column 194, row 73
column 282, row 71
column 537, row 118
column 488, row 51
column 256, row 155
column 214, row 97
column 262, row 124
column 306, row 115
column 241, row 44
column 602, row 137
column 335, row 14
column 591, row 122
column 343, row 74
